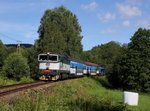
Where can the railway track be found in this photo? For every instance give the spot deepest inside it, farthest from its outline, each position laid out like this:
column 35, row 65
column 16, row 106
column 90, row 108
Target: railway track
column 10, row 89
column 15, row 85
column 15, row 88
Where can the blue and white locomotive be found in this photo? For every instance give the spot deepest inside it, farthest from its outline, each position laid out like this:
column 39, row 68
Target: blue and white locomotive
column 55, row 66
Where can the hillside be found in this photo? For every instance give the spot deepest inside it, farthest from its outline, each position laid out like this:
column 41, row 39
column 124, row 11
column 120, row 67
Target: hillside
column 84, row 94
column 22, row 45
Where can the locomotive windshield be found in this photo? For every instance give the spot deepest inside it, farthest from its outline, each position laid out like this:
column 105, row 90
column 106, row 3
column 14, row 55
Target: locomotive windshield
column 52, row 58
column 43, row 57
column 48, row 57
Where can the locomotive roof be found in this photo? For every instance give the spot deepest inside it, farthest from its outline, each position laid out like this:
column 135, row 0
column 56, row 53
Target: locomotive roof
column 73, row 59
column 49, row 53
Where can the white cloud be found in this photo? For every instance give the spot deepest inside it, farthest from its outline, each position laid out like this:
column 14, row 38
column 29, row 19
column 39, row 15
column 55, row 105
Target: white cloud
column 126, row 23
column 91, row 6
column 143, row 24
column 128, row 10
column 108, row 31
column 106, row 17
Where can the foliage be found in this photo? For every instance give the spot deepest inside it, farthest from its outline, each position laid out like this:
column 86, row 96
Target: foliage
column 11, row 50
column 105, row 54
column 132, row 70
column 31, row 55
column 103, row 80
column 26, row 79
column 15, row 66
column 6, row 81
column 86, row 55
column 60, row 32
column 3, row 54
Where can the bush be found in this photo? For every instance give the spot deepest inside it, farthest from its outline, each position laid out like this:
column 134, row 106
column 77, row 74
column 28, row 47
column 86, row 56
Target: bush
column 15, row 66
column 6, row 81
column 103, row 80
column 26, row 79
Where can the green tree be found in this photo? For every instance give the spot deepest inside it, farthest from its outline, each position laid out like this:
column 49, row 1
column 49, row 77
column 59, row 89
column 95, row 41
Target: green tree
column 15, row 66
column 86, row 56
column 60, row 32
column 31, row 55
column 32, row 60
column 133, row 69
column 105, row 54
column 3, row 54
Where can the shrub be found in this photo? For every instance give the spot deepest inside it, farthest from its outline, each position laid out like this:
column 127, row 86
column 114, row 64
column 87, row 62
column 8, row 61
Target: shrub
column 26, row 79
column 15, row 66
column 103, row 80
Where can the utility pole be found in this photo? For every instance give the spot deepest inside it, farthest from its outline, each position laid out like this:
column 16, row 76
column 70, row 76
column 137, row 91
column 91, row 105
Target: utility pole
column 18, row 47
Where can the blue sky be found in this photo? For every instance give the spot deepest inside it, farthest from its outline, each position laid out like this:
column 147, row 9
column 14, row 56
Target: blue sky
column 101, row 20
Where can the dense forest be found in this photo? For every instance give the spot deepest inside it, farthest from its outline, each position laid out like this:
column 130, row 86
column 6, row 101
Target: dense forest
column 127, row 65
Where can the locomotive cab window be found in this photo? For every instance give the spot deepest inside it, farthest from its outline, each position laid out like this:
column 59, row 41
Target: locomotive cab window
column 52, row 57
column 42, row 57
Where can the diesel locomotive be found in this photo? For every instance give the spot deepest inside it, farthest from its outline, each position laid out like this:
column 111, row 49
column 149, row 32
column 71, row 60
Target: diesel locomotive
column 56, row 66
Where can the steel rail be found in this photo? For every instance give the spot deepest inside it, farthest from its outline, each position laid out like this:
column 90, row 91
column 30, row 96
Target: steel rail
column 14, row 85
column 28, row 86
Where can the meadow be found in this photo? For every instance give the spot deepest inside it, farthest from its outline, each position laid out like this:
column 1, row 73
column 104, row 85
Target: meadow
column 84, row 94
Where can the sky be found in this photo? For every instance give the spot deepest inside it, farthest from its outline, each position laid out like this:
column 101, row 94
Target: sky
column 101, row 21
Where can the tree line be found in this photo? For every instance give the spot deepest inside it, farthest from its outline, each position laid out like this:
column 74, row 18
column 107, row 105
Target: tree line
column 127, row 65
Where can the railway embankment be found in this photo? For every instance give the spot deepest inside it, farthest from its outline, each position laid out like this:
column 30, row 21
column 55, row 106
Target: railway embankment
column 84, row 94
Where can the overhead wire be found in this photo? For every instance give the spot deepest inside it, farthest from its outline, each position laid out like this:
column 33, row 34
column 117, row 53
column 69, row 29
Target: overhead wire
column 8, row 37
column 19, row 42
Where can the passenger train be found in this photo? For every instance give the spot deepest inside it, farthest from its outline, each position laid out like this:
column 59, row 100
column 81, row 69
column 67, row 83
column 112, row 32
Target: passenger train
column 56, row 66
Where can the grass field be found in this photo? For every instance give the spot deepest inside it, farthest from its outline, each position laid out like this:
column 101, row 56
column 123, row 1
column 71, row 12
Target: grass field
column 85, row 94
column 117, row 96
column 6, row 81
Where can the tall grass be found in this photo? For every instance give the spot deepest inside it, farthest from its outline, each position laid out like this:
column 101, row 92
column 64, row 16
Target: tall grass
column 6, row 81
column 117, row 95
column 84, row 94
